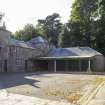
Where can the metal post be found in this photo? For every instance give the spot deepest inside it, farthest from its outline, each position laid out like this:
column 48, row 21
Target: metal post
column 55, row 66
column 89, row 67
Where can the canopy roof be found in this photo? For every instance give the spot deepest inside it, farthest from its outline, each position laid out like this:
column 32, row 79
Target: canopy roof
column 71, row 53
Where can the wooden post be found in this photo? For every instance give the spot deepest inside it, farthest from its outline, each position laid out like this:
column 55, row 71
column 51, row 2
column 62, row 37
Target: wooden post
column 89, row 67
column 55, row 66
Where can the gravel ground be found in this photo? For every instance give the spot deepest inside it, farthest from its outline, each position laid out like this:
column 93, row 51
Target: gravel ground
column 51, row 86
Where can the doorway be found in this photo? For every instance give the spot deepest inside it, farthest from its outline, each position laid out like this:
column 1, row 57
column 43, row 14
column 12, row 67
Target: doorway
column 5, row 65
column 26, row 65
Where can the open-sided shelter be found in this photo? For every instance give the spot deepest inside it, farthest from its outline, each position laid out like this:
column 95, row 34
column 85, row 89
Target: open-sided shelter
column 71, row 59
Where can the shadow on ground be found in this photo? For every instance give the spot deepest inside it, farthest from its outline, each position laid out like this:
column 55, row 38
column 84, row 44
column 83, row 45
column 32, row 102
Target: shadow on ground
column 8, row 80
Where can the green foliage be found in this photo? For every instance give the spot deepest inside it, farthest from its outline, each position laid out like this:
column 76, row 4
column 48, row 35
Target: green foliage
column 27, row 33
column 82, row 17
column 19, row 35
column 51, row 26
column 68, row 38
column 86, row 25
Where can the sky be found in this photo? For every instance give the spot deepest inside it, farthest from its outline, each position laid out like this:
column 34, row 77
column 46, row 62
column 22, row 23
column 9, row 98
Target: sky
column 18, row 13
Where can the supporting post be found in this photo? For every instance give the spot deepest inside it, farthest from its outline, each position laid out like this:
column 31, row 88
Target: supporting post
column 55, row 66
column 80, row 68
column 89, row 67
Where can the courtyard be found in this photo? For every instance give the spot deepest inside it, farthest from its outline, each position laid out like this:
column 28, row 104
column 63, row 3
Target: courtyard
column 71, row 88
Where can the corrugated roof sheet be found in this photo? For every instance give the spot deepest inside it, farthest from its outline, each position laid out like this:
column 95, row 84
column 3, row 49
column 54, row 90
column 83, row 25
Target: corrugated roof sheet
column 73, row 51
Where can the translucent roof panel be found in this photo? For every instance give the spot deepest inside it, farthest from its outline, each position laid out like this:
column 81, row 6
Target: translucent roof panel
column 73, row 51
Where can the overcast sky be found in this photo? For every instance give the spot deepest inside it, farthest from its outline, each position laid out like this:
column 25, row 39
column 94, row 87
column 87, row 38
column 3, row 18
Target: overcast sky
column 20, row 12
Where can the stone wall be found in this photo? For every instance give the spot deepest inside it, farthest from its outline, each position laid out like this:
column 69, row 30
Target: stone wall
column 99, row 63
column 19, row 56
column 4, row 42
column 3, row 58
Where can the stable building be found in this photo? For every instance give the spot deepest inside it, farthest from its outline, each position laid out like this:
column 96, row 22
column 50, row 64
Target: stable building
column 38, row 55
column 15, row 55
column 71, row 59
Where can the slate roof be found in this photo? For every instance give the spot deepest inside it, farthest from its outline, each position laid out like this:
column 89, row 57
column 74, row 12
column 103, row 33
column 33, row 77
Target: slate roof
column 33, row 44
column 39, row 43
column 72, row 52
column 37, row 40
column 19, row 43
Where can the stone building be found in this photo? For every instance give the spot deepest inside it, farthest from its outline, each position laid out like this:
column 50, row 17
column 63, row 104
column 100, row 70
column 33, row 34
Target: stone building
column 15, row 55
column 37, row 54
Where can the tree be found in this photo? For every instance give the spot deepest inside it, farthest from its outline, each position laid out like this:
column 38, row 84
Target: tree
column 51, row 26
column 27, row 33
column 82, row 22
column 18, row 35
column 100, row 35
column 83, row 13
column 86, row 25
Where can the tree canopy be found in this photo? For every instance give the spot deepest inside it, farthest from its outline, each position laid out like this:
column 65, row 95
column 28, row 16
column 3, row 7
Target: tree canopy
column 27, row 33
column 85, row 27
column 52, row 28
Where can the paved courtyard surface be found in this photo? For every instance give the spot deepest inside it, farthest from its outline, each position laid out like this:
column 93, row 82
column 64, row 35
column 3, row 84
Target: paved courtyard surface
column 16, row 99
column 99, row 98
column 51, row 89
